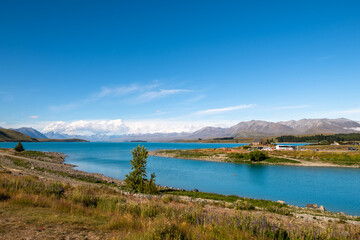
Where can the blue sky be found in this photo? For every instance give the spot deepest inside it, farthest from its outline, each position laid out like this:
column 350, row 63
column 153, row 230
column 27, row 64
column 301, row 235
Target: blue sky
column 146, row 66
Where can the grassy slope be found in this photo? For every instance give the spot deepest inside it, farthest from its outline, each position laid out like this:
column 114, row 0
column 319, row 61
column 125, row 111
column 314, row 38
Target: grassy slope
column 34, row 208
column 7, row 135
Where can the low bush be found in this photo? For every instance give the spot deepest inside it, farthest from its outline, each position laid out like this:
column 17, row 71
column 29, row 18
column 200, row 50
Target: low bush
column 257, row 156
column 85, row 196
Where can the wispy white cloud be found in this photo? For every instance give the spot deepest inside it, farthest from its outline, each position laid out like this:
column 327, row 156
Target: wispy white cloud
column 34, row 117
column 113, row 92
column 290, row 107
column 195, row 99
column 131, row 93
column 151, row 95
column 226, row 109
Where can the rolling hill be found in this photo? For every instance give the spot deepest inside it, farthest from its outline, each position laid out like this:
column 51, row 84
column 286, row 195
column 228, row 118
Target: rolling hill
column 8, row 135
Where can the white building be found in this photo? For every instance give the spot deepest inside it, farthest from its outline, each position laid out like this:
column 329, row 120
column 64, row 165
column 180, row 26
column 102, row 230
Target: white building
column 285, row 147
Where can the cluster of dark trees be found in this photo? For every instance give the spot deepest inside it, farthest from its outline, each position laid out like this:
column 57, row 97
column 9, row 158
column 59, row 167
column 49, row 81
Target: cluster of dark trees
column 255, row 156
column 224, row 138
column 319, row 138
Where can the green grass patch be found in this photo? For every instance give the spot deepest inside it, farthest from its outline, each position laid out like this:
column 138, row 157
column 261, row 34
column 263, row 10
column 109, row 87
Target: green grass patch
column 20, row 162
column 213, row 196
column 30, row 153
column 187, row 153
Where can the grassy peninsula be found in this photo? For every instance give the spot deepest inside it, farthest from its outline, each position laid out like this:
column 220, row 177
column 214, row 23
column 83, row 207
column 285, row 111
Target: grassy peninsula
column 316, row 155
column 42, row 197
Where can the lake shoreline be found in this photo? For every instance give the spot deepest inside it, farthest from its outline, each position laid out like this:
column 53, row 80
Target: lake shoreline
column 40, row 167
column 56, row 169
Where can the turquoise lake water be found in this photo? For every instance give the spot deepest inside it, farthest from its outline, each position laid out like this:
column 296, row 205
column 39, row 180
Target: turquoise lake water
column 338, row 189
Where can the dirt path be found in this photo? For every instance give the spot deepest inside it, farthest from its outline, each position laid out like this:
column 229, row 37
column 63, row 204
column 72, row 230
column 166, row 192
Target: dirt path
column 51, row 168
column 307, row 163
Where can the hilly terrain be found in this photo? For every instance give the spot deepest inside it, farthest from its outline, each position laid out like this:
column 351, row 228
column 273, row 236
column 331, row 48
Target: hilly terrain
column 30, row 132
column 8, row 135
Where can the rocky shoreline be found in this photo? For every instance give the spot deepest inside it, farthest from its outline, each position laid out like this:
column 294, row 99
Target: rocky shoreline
column 49, row 165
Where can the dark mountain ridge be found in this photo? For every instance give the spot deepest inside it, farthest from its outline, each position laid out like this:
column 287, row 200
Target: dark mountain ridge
column 30, row 132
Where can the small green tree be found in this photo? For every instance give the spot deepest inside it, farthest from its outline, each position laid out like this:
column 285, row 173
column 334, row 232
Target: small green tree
column 136, row 180
column 257, row 156
column 19, row 147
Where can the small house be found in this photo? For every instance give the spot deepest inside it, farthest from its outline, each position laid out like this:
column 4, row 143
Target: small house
column 258, row 142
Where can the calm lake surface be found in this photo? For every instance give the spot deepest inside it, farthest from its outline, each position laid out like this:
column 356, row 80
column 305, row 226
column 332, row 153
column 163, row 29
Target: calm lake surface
column 338, row 189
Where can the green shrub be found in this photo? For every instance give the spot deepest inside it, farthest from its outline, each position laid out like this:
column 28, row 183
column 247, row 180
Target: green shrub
column 167, row 199
column 55, row 189
column 85, row 196
column 257, row 156
column 19, row 147
column 244, row 205
column 171, row 231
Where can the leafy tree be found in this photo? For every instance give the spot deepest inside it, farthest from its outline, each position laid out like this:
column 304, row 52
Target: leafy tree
column 19, row 147
column 257, row 156
column 136, row 180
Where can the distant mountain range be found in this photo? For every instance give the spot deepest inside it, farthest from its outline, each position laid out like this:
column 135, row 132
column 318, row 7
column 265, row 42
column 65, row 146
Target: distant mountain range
column 245, row 129
column 251, row 129
column 29, row 135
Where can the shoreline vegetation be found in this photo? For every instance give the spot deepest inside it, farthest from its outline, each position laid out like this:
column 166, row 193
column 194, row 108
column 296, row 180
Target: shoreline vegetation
column 42, row 197
column 307, row 156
